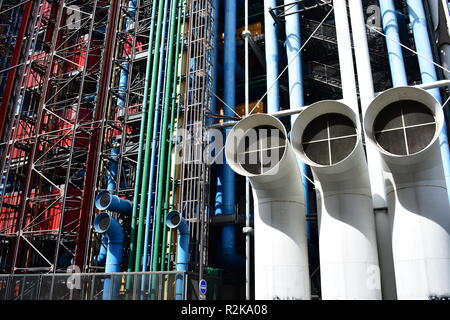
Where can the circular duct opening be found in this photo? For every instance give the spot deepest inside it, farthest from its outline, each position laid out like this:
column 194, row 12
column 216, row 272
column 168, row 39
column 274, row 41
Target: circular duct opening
column 329, row 139
column 175, row 219
column 405, row 127
column 103, row 222
column 105, row 199
column 261, row 149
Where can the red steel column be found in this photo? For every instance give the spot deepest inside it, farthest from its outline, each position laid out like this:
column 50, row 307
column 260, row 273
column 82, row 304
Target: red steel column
column 97, row 133
column 15, row 60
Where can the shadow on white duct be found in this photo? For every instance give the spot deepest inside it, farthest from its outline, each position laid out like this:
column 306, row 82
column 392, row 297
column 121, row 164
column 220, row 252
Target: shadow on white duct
column 266, row 157
column 327, row 137
column 404, row 124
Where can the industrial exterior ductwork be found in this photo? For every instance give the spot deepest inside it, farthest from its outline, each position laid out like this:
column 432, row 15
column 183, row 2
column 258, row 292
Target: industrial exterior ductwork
column 105, row 200
column 281, row 257
column 327, row 137
column 404, row 124
column 105, row 224
column 175, row 221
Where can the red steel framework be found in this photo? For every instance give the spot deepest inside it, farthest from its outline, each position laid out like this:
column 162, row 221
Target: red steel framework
column 50, row 151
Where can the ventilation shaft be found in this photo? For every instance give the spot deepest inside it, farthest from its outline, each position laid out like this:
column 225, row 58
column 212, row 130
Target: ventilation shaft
column 404, row 124
column 327, row 137
column 258, row 148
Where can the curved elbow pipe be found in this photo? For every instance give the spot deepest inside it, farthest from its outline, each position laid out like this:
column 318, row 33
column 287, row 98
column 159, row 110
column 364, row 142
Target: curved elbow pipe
column 281, row 256
column 105, row 200
column 105, row 224
column 100, row 259
column 416, row 189
column 175, row 221
column 327, row 137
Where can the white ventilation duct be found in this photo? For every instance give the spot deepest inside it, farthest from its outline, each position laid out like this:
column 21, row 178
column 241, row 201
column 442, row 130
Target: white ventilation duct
column 258, row 148
column 404, row 124
column 327, row 137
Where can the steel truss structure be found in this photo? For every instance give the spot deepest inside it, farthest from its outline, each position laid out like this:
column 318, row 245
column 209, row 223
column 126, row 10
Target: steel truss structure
column 50, row 147
column 119, row 145
column 195, row 171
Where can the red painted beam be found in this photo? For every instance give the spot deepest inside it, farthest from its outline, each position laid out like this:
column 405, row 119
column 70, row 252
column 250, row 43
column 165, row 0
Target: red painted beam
column 15, row 60
column 94, row 148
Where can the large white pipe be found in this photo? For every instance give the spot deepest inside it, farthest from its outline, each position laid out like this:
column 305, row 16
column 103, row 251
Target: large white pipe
column 416, row 188
column 281, row 256
column 383, row 218
column 327, row 137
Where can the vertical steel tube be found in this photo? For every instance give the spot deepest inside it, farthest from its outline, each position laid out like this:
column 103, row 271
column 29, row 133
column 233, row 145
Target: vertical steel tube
column 247, row 181
column 228, row 241
column 428, row 71
column 173, row 98
column 154, row 149
column 366, row 90
column 141, row 153
column 395, row 53
column 384, row 221
column 296, row 94
column 148, row 136
column 271, row 46
column 164, row 156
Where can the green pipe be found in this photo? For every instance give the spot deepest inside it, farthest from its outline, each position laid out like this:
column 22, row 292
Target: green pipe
column 172, row 123
column 138, row 181
column 148, row 136
column 177, row 101
column 163, row 141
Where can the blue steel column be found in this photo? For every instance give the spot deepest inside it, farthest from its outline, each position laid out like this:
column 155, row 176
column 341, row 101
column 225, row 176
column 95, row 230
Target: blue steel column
column 271, row 47
column 428, row 70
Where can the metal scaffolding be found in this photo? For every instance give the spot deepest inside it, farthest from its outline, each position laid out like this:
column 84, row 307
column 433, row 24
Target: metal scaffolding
column 195, row 174
column 48, row 148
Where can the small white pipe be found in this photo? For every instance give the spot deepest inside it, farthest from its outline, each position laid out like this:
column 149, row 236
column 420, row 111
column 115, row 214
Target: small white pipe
column 281, row 253
column 349, row 267
column 345, row 55
column 417, row 196
column 247, row 182
column 367, row 94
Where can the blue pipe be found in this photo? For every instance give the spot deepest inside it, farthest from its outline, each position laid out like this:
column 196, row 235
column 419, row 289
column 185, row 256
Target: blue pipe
column 105, row 200
column 100, row 259
column 123, row 83
column 105, row 224
column 66, row 259
column 418, row 21
column 271, row 46
column 153, row 171
column 112, row 169
column 175, row 221
column 215, row 60
column 228, row 178
column 395, row 53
